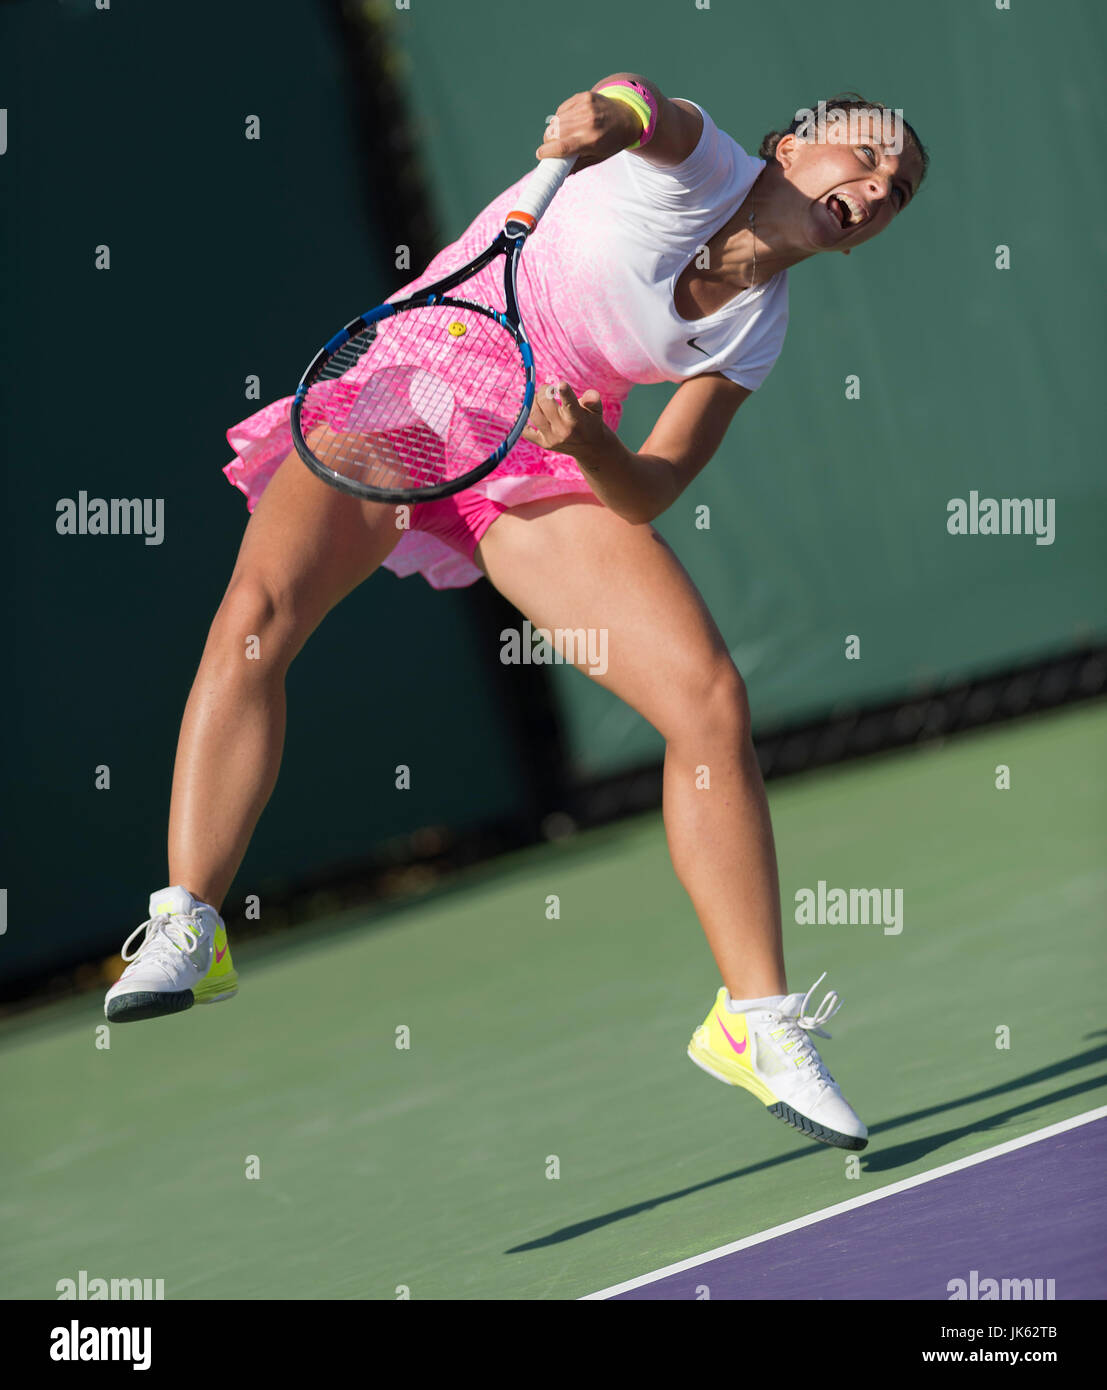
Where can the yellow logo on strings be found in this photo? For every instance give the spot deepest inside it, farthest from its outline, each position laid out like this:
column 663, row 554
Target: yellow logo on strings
column 457, row 330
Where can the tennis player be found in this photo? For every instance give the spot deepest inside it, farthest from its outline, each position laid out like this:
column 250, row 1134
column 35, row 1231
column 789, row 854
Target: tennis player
column 664, row 257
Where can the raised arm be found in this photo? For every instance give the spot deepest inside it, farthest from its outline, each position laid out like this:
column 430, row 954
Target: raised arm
column 594, row 127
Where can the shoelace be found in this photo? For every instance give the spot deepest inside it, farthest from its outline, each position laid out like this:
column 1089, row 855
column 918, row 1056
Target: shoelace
column 164, row 933
column 797, row 1028
column 826, row 1010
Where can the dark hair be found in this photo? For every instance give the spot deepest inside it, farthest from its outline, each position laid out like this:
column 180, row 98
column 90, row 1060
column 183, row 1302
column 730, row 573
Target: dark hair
column 845, row 101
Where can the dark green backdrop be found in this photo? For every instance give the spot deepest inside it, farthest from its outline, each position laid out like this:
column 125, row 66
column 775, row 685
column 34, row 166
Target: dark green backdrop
column 828, row 515
column 126, row 128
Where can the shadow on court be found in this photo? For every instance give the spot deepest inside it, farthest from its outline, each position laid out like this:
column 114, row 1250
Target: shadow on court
column 881, row 1161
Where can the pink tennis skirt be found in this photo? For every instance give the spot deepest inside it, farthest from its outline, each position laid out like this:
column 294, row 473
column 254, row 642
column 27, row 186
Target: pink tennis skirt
column 443, row 534
column 458, row 521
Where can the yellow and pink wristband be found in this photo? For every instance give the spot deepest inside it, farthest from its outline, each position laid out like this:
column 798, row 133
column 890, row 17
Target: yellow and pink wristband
column 641, row 101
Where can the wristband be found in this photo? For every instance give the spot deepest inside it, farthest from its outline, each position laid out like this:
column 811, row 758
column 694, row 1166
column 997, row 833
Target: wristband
column 640, row 100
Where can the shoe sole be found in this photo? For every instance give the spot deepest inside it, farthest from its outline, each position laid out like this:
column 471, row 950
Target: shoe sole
column 805, row 1126
column 809, row 1128
column 133, row 1008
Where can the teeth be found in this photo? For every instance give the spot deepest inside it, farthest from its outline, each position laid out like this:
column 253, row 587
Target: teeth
column 852, row 207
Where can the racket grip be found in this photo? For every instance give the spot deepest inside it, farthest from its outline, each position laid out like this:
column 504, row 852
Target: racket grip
column 537, row 193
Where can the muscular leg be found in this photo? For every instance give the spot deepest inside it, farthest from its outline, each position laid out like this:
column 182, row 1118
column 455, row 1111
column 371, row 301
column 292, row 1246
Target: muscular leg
column 306, row 547
column 575, row 564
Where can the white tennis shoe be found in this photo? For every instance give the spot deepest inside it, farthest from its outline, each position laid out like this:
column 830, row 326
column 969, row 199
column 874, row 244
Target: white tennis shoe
column 769, row 1052
column 182, row 959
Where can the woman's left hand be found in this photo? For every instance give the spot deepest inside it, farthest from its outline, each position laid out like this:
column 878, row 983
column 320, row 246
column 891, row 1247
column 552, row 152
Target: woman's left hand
column 561, row 422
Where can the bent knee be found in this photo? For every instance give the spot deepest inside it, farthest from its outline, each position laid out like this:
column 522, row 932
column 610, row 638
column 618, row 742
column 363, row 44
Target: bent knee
column 258, row 618
column 714, row 704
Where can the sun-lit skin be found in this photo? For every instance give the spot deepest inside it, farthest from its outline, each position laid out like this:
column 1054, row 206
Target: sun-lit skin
column 882, row 181
column 790, row 201
column 565, row 562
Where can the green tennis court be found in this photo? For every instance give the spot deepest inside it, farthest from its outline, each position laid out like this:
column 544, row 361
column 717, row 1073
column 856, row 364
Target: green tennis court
column 535, row 1040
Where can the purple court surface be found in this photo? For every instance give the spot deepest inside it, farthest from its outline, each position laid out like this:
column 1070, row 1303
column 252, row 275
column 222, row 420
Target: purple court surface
column 1037, row 1212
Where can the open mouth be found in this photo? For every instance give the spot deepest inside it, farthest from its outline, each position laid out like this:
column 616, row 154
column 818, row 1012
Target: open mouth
column 846, row 210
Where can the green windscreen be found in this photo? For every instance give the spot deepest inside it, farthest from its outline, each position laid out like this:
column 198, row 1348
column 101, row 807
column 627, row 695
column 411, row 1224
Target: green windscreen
column 228, row 258
column 828, row 515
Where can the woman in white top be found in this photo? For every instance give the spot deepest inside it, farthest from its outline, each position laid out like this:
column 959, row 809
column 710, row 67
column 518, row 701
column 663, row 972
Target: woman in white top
column 664, row 257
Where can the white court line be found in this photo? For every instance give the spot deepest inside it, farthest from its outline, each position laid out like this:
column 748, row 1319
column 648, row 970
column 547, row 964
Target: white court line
column 852, row 1204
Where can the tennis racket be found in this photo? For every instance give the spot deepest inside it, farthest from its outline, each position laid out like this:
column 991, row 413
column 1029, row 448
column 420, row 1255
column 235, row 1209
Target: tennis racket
column 420, row 398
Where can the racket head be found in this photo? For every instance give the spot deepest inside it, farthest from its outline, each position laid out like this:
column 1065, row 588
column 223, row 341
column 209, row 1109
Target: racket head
column 414, row 400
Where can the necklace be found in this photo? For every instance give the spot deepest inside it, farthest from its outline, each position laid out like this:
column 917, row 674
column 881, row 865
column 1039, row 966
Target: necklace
column 753, row 277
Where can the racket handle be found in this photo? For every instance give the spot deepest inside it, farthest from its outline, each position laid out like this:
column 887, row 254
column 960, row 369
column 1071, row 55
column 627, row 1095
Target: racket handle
column 536, row 195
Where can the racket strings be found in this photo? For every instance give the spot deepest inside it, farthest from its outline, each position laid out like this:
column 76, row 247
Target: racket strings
column 419, row 398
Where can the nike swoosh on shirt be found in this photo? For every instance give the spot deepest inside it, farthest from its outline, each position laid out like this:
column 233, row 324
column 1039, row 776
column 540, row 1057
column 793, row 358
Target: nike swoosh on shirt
column 730, row 1040
column 692, row 343
column 219, row 954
